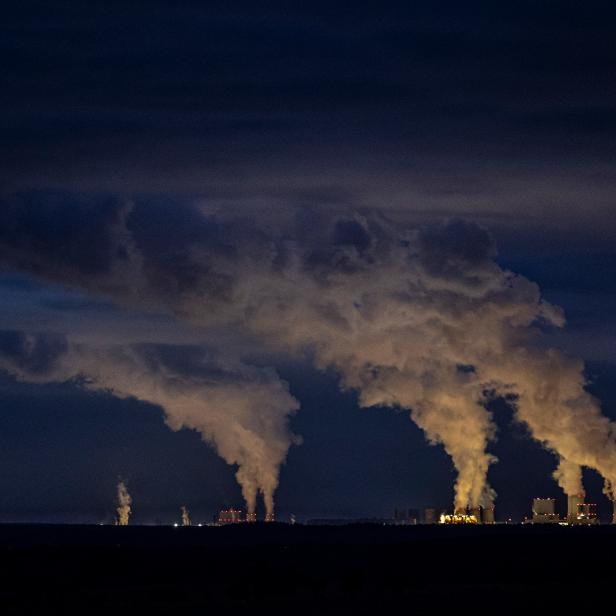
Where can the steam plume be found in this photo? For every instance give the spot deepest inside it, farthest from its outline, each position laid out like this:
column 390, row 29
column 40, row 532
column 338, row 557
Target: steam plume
column 185, row 516
column 124, row 503
column 242, row 410
column 418, row 318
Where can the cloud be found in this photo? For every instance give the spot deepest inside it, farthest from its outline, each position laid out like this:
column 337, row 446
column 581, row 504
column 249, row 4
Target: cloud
column 243, row 411
column 421, row 318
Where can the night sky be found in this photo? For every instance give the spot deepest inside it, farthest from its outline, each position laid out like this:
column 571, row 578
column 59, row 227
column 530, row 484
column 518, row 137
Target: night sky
column 155, row 155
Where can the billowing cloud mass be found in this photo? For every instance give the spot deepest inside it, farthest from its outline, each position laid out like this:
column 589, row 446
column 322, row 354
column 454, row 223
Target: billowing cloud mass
column 242, row 410
column 422, row 319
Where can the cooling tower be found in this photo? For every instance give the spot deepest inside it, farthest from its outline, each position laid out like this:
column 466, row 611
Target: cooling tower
column 476, row 511
column 573, row 502
column 488, row 515
column 613, row 512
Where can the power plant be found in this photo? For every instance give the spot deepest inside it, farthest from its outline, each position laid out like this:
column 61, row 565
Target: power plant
column 458, row 518
column 471, row 515
column 230, row 516
column 239, row 516
column 578, row 512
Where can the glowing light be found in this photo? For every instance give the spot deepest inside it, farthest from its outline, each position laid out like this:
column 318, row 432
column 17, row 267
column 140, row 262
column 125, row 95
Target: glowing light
column 458, row 518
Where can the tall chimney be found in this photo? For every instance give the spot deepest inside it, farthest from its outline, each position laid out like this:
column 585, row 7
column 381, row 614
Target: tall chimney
column 573, row 500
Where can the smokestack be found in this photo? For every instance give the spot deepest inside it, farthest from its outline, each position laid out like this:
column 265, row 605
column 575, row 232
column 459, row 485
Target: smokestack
column 488, row 514
column 573, row 502
column 124, row 503
column 185, row 517
column 476, row 512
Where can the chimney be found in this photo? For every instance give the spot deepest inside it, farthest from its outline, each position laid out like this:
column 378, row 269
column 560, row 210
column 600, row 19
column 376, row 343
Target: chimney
column 573, row 502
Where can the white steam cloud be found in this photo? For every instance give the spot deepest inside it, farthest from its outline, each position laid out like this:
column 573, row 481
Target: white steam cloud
column 421, row 319
column 242, row 410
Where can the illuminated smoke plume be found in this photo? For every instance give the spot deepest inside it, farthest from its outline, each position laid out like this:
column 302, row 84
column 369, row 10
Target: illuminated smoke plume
column 242, row 410
column 422, row 319
column 569, row 477
column 185, row 516
column 124, row 502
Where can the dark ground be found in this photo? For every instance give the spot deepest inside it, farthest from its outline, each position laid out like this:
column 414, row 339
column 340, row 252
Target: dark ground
column 281, row 569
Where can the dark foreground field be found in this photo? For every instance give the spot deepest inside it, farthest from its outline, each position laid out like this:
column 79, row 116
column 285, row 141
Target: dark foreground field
column 282, row 569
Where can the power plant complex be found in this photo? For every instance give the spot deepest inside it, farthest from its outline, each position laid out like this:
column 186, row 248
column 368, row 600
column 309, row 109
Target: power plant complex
column 579, row 513
column 239, row 516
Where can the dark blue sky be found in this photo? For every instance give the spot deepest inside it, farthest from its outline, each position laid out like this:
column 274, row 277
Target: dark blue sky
column 505, row 116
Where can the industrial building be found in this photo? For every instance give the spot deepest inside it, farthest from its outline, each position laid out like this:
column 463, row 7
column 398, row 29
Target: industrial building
column 230, row 516
column 488, row 515
column 432, row 515
column 404, row 516
column 475, row 512
column 457, row 518
column 544, row 511
column 587, row 514
column 573, row 502
column 578, row 512
column 469, row 515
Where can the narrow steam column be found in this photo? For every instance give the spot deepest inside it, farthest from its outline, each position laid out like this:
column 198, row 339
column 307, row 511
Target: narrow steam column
column 124, row 502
